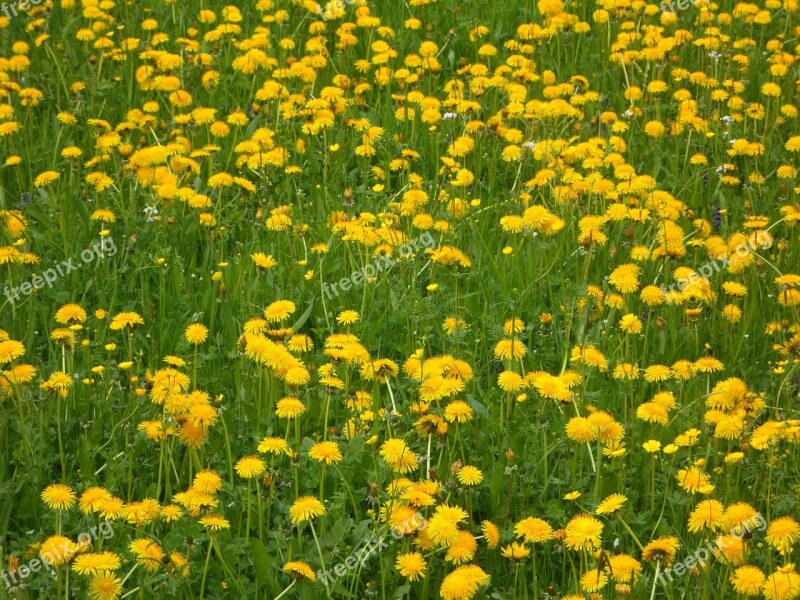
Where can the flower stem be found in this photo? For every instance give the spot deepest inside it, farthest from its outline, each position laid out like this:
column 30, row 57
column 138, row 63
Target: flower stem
column 205, row 571
column 633, row 535
column 655, row 580
column 286, row 590
column 321, row 559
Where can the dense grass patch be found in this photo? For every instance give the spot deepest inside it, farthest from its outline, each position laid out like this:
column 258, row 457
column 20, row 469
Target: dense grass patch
column 415, row 299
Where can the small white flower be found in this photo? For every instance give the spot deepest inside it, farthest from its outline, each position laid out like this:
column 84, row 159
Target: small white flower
column 150, row 213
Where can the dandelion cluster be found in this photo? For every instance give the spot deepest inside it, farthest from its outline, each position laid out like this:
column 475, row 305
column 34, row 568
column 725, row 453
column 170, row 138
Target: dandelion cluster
column 591, row 371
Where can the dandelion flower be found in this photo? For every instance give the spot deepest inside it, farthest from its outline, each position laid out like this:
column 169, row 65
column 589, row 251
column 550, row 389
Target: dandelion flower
column 583, row 533
column 469, row 475
column 92, row 563
column 306, row 508
column 125, row 319
column 581, row 430
column 458, row 411
column 782, row 533
column 279, row 310
column 327, row 452
column 533, row 530
column 491, row 533
column 92, row 498
column 783, row 584
column 299, row 570
column 463, row 583
column 411, row 565
column 593, row 580
column 58, row 496
column 662, row 550
column 630, row 323
column 443, row 525
column 399, row 456
column 462, row 549
column 289, row 408
column 57, row 550
column 250, row 467
column 515, row 551
column 264, row 261
column 105, row 586
column 71, row 313
column 511, row 349
column 196, row 333
column 707, row 515
column 207, row 482
column 46, row 178
column 611, row 504
column 624, row 568
column 10, row 350
column 748, row 580
column 215, row 522
column 273, row 445
column 347, row 317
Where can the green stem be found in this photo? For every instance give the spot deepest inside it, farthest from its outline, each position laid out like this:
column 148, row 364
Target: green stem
column 655, row 580
column 205, row 571
column 321, row 559
column 291, row 585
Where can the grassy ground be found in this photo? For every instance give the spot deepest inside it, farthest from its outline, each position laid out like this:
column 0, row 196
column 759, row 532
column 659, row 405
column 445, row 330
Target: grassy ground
column 399, row 300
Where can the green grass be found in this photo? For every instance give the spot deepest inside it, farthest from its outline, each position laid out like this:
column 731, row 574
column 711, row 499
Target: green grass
column 176, row 270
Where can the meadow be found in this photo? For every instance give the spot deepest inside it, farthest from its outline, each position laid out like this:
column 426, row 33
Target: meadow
column 396, row 300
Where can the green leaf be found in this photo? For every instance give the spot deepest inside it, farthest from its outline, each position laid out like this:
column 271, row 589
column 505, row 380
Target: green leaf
column 304, row 317
column 263, row 563
column 402, row 591
column 339, row 530
column 353, row 452
column 84, row 460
